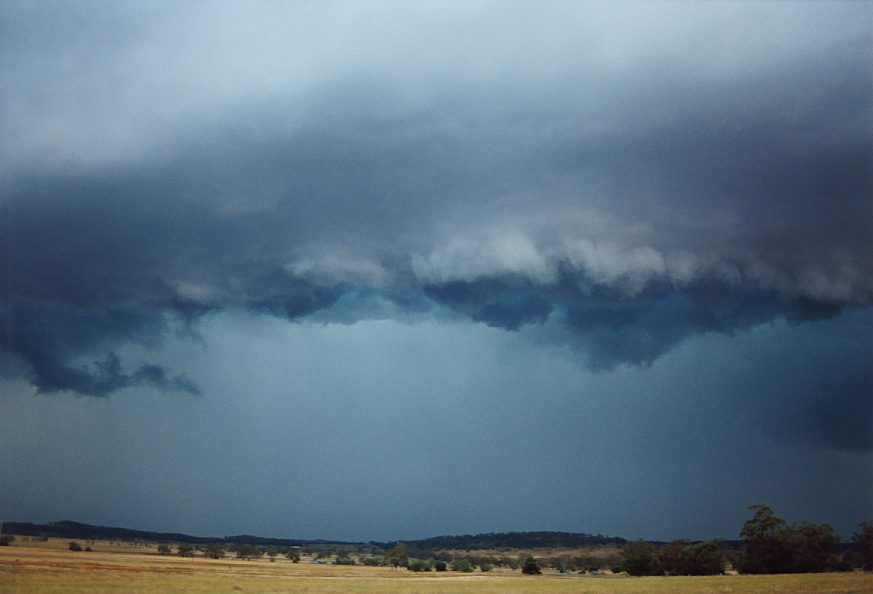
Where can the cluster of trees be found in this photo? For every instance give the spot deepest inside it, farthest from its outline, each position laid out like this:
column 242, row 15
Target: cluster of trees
column 418, row 560
column 74, row 546
column 769, row 545
column 421, row 560
column 218, row 550
column 680, row 557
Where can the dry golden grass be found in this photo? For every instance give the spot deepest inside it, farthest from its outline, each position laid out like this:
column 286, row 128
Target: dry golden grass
column 30, row 567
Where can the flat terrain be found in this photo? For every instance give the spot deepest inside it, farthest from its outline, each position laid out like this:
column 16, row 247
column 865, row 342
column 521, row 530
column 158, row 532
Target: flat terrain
column 32, row 567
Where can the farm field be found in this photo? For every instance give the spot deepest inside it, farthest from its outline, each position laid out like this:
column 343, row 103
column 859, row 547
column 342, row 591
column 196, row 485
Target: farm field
column 50, row 568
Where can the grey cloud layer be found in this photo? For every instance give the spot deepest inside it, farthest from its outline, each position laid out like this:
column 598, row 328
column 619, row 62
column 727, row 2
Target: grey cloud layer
column 626, row 184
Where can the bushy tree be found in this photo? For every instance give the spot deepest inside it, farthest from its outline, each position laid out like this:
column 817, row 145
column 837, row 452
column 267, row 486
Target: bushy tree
column 811, row 548
column 639, row 558
column 681, row 557
column 418, row 565
column 463, row 565
column 164, row 549
column 763, row 535
column 293, row 555
column 74, row 546
column 672, row 557
column 530, row 567
column 864, row 540
column 214, row 550
column 185, row 550
column 440, row 566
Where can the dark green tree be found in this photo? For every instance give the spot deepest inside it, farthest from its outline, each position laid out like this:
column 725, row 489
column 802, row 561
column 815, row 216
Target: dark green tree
column 639, row 558
column 185, row 550
column 763, row 538
column 682, row 557
column 530, row 567
column 418, row 565
column 672, row 557
column 810, row 548
column 864, row 539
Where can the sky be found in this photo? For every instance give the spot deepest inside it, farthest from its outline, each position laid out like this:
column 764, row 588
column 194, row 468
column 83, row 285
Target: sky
column 389, row 270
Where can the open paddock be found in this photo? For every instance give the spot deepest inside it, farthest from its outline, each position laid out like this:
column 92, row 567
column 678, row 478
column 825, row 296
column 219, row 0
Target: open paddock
column 33, row 567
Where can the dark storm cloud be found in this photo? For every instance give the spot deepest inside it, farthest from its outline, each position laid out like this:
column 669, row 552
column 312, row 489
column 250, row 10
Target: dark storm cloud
column 613, row 327
column 54, row 340
column 635, row 189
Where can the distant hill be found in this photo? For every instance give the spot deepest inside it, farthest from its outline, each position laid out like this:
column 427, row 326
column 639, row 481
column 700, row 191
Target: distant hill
column 502, row 540
column 516, row 540
column 76, row 530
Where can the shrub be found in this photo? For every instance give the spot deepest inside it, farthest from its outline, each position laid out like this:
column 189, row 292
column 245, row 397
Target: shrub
column 293, row 555
column 681, row 557
column 185, row 550
column 74, row 546
column 463, row 565
column 440, row 566
column 530, row 567
column 418, row 565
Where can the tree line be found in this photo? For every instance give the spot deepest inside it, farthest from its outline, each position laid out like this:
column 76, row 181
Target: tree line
column 768, row 544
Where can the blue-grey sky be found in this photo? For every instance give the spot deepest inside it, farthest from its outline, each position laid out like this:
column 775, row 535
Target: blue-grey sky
column 389, row 270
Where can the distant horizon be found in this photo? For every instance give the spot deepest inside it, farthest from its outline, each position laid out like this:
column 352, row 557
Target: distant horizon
column 736, row 538
column 330, row 541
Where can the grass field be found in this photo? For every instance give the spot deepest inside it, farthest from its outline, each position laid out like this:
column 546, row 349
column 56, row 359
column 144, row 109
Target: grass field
column 48, row 567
